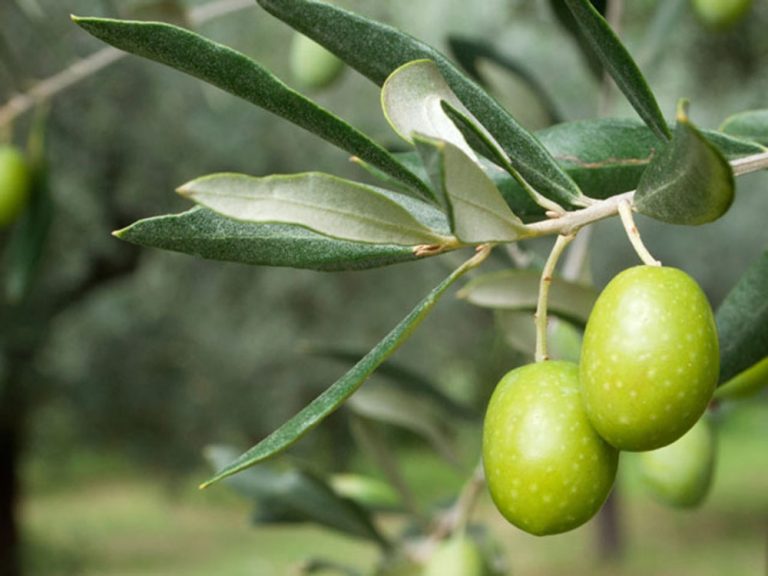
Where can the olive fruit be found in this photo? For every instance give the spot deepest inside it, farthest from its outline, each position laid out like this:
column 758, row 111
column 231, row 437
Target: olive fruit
column 312, row 66
column 680, row 474
column 458, row 556
column 721, row 13
column 547, row 469
column 15, row 182
column 650, row 360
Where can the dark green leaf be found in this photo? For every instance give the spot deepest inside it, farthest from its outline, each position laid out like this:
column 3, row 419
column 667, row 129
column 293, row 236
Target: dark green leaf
column 296, row 494
column 751, row 125
column 470, row 54
column 619, row 64
column 519, row 290
column 742, row 321
column 202, row 232
column 607, row 156
column 321, row 202
column 241, row 76
column 333, row 397
column 689, row 182
column 376, row 50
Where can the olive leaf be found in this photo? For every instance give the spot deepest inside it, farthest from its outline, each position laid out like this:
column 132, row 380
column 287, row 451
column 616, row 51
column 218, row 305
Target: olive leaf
column 689, row 182
column 750, row 125
column 203, row 232
column 619, row 64
column 745, row 384
column 239, row 75
column 376, row 50
column 476, row 210
column 297, row 494
column 335, row 395
column 324, row 203
column 519, row 290
column 411, row 100
column 742, row 321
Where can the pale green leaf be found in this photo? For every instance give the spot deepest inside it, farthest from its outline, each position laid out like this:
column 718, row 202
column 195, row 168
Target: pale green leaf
column 411, row 100
column 519, row 290
column 750, row 125
column 476, row 210
column 321, row 202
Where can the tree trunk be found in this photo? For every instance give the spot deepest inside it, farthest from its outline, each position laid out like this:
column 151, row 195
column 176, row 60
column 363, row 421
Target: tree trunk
column 10, row 557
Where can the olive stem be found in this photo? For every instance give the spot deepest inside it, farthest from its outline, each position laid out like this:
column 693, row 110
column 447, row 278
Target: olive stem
column 625, row 212
column 544, row 284
column 82, row 69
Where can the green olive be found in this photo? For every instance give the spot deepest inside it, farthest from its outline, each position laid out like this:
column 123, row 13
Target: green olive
column 312, row 66
column 547, row 469
column 721, row 13
column 650, row 358
column 681, row 474
column 458, row 556
column 15, row 180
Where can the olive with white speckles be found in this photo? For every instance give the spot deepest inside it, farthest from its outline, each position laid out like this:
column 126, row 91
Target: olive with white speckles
column 547, row 469
column 681, row 474
column 650, row 358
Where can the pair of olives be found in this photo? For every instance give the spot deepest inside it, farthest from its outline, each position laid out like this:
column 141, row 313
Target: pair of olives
column 649, row 365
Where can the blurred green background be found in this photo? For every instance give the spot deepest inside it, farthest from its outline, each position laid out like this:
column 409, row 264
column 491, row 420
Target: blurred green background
column 133, row 360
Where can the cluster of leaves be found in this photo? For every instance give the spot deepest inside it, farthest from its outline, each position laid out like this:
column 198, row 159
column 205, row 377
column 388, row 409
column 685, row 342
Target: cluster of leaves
column 475, row 176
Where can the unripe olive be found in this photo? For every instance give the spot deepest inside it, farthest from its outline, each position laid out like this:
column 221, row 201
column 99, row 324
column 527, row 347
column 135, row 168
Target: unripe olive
column 721, row 13
column 650, row 359
column 15, row 180
column 547, row 469
column 458, row 556
column 681, row 474
column 312, row 66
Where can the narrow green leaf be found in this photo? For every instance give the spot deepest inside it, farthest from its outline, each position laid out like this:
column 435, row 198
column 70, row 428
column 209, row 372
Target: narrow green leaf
column 471, row 53
column 750, row 125
column 298, row 494
column 332, row 398
column 619, row 64
column 742, row 321
column 745, row 384
column 239, row 75
column 411, row 100
column 689, row 182
column 477, row 212
column 202, row 232
column 367, row 491
column 376, row 50
column 607, row 156
column 321, row 202
column 519, row 290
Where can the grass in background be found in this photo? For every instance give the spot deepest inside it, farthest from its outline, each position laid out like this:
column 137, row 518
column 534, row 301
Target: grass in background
column 109, row 519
